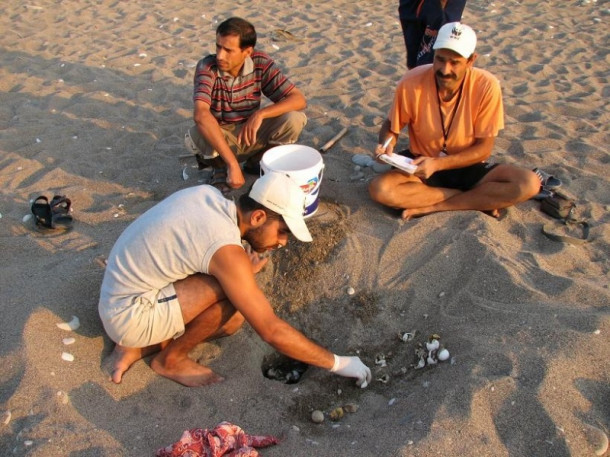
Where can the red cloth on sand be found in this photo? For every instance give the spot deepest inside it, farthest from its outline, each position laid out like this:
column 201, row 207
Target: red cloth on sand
column 225, row 439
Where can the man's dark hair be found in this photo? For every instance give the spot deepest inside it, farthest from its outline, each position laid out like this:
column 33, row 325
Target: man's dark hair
column 247, row 204
column 238, row 27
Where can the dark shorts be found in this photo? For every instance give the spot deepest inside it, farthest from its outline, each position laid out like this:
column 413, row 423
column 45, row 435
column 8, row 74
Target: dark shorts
column 459, row 178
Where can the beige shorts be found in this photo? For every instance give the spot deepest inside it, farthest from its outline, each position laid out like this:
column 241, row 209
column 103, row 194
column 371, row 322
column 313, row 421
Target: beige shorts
column 145, row 320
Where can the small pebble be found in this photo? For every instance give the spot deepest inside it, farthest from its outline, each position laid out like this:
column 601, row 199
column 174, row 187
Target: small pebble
column 381, row 167
column 67, row 357
column 350, row 407
column 363, row 160
column 392, row 401
column 317, row 416
column 356, row 176
column 28, row 443
column 6, row 417
column 350, row 291
column 26, row 218
column 68, row 341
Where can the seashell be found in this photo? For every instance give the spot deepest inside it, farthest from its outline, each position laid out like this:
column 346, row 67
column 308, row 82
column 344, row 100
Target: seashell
column 26, row 218
column 391, row 402
column 70, row 326
column 596, row 438
column 6, row 417
column 380, row 359
column 443, row 355
column 432, row 345
column 420, row 364
column 384, row 378
column 28, row 443
column 185, row 175
column 350, row 291
column 317, row 416
column 67, row 357
column 407, row 336
column 336, row 414
column 350, row 407
column 431, row 360
column 68, row 341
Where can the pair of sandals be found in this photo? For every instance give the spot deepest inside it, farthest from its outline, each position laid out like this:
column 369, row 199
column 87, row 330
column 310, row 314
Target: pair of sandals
column 54, row 214
column 548, row 183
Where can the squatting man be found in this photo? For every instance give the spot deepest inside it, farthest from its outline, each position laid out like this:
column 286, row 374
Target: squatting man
column 179, row 275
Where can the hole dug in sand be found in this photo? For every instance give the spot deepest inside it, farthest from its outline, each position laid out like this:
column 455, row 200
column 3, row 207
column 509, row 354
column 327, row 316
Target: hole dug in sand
column 283, row 369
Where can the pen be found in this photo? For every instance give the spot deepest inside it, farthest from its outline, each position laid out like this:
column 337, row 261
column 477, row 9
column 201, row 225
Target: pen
column 387, row 142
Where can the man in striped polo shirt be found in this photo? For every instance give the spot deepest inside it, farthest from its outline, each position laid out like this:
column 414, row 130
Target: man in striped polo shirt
column 230, row 125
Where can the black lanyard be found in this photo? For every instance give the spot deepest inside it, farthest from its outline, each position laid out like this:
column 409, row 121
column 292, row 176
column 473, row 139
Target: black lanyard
column 440, row 112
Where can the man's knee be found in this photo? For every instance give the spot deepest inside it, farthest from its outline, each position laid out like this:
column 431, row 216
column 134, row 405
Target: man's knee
column 234, row 323
column 288, row 127
column 380, row 187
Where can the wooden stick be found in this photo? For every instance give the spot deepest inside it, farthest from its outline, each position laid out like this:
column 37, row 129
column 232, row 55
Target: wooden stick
column 333, row 140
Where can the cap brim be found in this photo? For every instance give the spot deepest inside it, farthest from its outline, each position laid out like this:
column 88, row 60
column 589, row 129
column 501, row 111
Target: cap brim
column 298, row 228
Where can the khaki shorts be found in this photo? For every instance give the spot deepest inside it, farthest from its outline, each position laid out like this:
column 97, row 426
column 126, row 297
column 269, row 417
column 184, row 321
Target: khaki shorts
column 142, row 321
column 274, row 131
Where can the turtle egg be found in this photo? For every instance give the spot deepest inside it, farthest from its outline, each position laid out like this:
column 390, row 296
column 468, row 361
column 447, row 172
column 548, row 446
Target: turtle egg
column 432, row 345
column 443, row 355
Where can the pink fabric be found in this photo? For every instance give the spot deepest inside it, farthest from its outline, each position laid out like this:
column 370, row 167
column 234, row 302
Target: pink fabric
column 225, row 439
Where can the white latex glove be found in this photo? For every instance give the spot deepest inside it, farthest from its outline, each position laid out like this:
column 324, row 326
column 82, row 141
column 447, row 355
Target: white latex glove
column 352, row 367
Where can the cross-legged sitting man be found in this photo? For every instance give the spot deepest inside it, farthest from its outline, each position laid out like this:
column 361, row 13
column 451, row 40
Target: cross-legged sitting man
column 230, row 125
column 179, row 275
column 453, row 112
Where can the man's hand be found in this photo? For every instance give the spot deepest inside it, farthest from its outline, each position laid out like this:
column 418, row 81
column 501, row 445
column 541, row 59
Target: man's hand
column 256, row 260
column 426, row 166
column 235, row 177
column 352, row 367
column 247, row 134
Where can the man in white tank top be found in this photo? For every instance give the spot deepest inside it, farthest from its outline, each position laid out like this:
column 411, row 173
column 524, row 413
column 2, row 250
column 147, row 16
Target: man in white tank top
column 179, row 276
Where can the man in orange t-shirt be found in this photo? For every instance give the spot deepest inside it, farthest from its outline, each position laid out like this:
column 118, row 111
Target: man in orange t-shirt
column 453, row 112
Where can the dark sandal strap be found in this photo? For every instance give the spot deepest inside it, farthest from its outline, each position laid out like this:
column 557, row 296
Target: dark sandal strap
column 42, row 212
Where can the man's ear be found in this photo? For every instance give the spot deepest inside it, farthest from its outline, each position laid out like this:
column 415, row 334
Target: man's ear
column 257, row 218
column 472, row 58
column 248, row 51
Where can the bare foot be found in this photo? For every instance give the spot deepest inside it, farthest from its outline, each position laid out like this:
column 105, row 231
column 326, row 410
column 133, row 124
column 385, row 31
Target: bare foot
column 412, row 213
column 122, row 358
column 184, row 371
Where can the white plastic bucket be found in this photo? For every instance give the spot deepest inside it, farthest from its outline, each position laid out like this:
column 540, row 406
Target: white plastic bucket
column 303, row 164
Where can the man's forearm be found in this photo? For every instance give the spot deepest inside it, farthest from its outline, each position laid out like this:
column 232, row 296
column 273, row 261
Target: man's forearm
column 212, row 133
column 293, row 101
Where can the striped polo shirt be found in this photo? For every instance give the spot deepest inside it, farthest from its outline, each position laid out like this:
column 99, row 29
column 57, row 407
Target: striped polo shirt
column 234, row 100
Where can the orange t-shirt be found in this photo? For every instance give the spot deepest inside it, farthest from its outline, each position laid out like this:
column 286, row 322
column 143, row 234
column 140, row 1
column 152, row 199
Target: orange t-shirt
column 480, row 113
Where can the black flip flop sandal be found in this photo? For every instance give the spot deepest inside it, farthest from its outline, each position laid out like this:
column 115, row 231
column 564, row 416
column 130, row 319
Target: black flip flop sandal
column 53, row 215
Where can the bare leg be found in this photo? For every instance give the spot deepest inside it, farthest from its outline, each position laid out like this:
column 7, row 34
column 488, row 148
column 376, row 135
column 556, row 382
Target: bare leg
column 208, row 315
column 173, row 361
column 502, row 187
column 122, row 358
column 196, row 294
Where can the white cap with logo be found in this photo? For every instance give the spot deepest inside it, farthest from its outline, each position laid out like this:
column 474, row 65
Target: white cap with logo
column 457, row 37
column 281, row 194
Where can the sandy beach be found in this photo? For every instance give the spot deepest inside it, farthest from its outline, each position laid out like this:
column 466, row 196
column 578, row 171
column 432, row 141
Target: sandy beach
column 96, row 98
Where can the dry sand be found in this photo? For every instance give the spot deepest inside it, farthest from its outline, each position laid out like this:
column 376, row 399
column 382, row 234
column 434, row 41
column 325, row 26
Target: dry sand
column 96, row 97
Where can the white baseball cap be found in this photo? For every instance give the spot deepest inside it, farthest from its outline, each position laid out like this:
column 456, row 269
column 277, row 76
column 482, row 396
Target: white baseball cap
column 457, row 37
column 281, row 194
